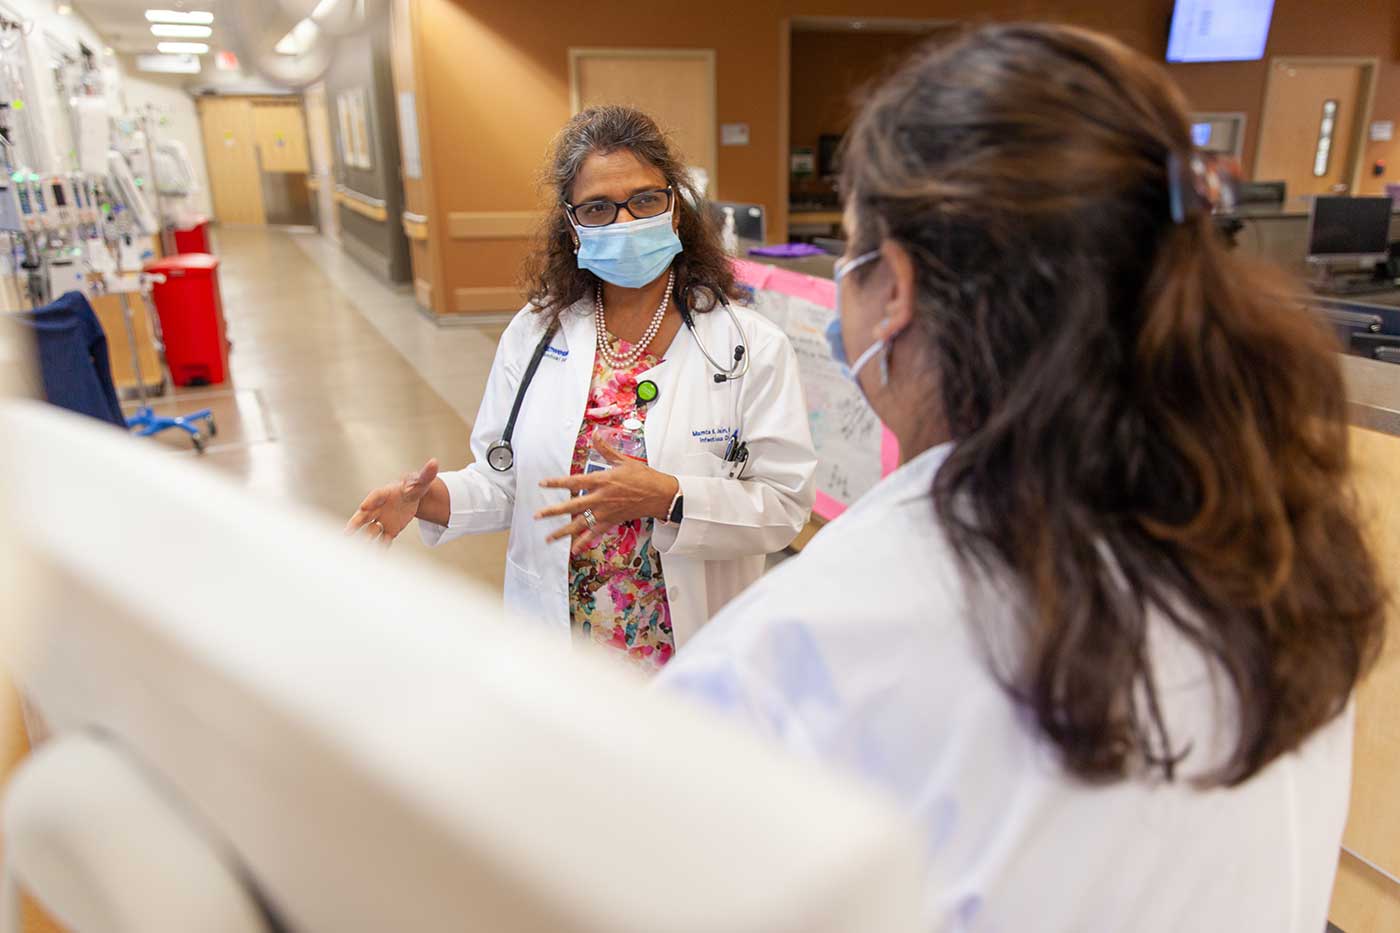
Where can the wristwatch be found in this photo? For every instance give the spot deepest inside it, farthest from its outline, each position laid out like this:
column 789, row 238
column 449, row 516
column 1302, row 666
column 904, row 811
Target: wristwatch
column 677, row 512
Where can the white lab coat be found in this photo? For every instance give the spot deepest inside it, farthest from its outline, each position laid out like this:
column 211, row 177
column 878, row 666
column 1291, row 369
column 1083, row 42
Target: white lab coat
column 861, row 652
column 730, row 525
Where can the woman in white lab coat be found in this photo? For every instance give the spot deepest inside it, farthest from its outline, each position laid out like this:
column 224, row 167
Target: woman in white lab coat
column 1099, row 632
column 636, row 557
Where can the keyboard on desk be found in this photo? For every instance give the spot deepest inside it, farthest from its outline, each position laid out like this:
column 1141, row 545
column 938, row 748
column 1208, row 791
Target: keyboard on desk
column 1356, row 287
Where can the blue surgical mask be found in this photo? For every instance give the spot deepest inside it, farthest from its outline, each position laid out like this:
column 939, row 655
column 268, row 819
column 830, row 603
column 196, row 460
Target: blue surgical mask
column 833, row 330
column 628, row 255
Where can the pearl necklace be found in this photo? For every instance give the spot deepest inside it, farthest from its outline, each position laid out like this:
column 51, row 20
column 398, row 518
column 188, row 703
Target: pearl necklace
column 624, row 360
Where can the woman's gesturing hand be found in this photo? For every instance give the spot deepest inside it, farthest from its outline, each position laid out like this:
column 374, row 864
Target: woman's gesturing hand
column 388, row 510
column 628, row 490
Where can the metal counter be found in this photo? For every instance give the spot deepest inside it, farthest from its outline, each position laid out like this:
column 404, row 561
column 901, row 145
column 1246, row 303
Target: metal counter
column 1373, row 394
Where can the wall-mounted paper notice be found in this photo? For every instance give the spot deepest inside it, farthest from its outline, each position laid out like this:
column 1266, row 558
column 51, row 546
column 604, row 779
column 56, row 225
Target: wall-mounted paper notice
column 408, row 136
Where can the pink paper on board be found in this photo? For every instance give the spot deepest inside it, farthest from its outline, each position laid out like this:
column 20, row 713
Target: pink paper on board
column 820, row 292
column 827, row 507
column 889, row 452
column 752, row 274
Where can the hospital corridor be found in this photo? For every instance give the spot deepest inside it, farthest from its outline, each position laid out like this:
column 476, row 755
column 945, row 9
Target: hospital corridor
column 760, row 466
column 336, row 381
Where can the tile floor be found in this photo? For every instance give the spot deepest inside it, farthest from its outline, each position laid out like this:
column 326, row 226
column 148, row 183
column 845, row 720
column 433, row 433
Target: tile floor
column 338, row 383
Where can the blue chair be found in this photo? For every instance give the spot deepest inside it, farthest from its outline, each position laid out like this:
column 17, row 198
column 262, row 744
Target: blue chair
column 77, row 371
column 73, row 361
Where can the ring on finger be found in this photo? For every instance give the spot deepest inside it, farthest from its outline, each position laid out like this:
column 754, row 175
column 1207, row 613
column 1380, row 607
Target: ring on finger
column 590, row 519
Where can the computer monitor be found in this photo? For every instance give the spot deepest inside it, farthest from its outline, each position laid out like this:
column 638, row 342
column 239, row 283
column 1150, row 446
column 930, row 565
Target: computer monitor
column 829, row 154
column 377, row 748
column 1344, row 230
column 750, row 220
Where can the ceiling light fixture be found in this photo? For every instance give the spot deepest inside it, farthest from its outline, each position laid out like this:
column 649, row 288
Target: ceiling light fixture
column 168, row 64
column 178, row 48
column 192, row 17
column 178, row 31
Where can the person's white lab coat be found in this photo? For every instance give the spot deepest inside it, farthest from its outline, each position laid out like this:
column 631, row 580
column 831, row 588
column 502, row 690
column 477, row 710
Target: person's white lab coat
column 862, row 652
column 729, row 525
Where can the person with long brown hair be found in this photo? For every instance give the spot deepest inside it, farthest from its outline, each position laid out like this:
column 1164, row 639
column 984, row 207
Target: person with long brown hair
column 1100, row 631
column 628, row 397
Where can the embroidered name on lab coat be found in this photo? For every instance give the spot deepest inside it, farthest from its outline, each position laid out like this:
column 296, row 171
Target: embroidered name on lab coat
column 712, row 435
column 556, row 353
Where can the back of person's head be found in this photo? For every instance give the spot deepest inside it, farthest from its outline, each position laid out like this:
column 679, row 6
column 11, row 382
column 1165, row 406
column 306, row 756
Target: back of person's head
column 553, row 279
column 1145, row 426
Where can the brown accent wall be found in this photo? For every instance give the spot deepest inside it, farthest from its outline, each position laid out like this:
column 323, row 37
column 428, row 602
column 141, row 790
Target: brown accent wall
column 829, row 72
column 1304, row 28
column 493, row 87
column 425, row 252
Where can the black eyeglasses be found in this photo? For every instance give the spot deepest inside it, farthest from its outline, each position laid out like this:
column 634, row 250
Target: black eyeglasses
column 602, row 212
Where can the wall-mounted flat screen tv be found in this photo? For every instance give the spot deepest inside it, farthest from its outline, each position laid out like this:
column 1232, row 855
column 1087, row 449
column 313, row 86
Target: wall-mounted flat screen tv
column 1219, row 30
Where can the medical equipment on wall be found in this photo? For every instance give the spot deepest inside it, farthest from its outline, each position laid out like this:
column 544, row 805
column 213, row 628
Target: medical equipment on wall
column 80, row 223
column 64, row 206
column 93, row 128
column 164, row 172
column 141, row 217
column 27, row 88
column 501, row 456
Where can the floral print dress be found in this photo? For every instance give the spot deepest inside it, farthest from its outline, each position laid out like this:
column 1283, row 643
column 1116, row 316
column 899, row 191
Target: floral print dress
column 617, row 596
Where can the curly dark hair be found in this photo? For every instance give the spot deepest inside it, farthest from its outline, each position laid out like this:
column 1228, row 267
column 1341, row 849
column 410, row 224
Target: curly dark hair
column 1146, row 425
column 553, row 280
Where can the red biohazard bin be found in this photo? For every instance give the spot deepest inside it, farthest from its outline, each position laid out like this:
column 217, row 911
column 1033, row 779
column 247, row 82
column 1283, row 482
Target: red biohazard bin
column 193, row 239
column 191, row 318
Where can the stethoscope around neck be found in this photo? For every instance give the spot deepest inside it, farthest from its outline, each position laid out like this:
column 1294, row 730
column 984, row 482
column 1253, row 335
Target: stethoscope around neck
column 500, row 456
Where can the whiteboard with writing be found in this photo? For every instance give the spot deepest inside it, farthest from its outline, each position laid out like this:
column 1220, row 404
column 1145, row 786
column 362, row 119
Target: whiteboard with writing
column 853, row 448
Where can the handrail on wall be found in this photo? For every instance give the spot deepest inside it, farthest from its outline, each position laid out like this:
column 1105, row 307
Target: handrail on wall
column 364, row 199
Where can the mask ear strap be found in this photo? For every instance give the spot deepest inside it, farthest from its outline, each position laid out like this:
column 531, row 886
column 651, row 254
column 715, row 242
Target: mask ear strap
column 887, row 356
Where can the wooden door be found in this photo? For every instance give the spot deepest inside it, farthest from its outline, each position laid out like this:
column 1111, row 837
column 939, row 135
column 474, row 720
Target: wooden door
column 279, row 129
column 230, row 151
column 677, row 88
column 1308, row 134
